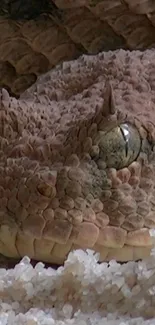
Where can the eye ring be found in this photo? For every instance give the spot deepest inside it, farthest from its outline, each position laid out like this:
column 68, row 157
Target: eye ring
column 120, row 146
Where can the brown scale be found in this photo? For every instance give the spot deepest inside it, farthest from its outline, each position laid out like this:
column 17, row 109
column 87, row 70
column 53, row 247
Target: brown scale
column 80, row 203
column 48, row 214
column 80, row 233
column 102, row 219
column 130, row 26
column 143, row 208
column 67, row 203
column 133, row 222
column 54, row 203
column 33, row 225
column 150, row 220
column 116, row 218
column 112, row 237
column 82, row 27
column 97, row 205
column 58, row 231
column 75, row 216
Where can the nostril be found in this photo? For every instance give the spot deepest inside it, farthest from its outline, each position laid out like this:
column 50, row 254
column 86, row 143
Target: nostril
column 46, row 190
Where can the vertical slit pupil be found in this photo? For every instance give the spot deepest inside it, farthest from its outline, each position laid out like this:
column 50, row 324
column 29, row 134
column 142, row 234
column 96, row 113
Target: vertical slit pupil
column 126, row 141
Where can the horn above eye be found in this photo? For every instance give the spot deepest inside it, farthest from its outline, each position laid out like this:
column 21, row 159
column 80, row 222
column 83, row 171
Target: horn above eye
column 119, row 147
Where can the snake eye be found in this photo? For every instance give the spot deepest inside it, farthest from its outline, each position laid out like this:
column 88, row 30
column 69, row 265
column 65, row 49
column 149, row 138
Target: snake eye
column 119, row 147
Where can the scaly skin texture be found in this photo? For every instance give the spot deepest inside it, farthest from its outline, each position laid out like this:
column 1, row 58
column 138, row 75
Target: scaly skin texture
column 36, row 35
column 69, row 177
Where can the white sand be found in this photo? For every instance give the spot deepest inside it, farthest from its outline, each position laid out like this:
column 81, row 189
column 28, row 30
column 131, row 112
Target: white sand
column 82, row 292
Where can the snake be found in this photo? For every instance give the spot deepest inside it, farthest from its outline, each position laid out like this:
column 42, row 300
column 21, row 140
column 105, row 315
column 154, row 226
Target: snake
column 77, row 161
